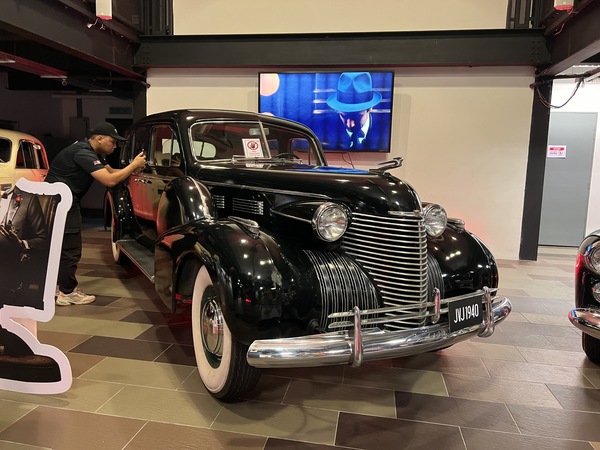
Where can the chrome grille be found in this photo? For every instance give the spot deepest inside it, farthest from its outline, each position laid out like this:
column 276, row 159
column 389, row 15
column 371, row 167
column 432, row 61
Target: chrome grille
column 248, row 206
column 342, row 284
column 219, row 201
column 393, row 250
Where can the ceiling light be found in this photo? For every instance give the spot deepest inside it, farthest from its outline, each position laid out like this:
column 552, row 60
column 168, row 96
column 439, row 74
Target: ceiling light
column 104, row 9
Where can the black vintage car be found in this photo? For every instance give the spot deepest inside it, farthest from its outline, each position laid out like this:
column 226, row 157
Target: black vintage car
column 586, row 314
column 289, row 262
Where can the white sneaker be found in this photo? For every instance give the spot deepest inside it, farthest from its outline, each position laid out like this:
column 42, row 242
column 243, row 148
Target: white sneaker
column 74, row 298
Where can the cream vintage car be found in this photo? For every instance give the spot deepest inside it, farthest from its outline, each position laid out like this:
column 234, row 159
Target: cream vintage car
column 21, row 156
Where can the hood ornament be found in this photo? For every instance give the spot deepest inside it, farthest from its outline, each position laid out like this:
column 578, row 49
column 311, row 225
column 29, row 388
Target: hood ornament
column 388, row 165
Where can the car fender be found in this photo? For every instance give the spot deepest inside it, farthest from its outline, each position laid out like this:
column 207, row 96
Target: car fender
column 462, row 261
column 257, row 283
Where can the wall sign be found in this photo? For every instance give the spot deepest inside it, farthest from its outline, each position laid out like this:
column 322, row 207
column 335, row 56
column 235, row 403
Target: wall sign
column 557, row 151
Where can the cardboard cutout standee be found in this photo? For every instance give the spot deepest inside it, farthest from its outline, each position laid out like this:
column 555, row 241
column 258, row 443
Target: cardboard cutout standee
column 32, row 223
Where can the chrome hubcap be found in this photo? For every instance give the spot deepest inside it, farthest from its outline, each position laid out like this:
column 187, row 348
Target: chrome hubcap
column 212, row 328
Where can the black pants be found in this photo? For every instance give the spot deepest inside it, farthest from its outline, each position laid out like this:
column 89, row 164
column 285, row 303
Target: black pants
column 71, row 251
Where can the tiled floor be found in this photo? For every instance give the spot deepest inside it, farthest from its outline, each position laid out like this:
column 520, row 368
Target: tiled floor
column 135, row 386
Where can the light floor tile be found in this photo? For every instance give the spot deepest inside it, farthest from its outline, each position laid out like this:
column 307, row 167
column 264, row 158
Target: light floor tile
column 82, row 396
column 373, row 402
column 536, row 373
column 547, row 319
column 408, row 380
column 593, row 375
column 289, row 422
column 168, row 436
column 11, row 411
column 162, row 405
column 497, row 390
column 482, row 349
column 139, row 373
column 5, row 445
column 554, row 357
column 95, row 327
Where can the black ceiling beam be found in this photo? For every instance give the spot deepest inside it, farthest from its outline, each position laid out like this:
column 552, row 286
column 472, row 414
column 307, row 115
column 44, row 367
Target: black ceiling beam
column 576, row 41
column 53, row 24
column 521, row 47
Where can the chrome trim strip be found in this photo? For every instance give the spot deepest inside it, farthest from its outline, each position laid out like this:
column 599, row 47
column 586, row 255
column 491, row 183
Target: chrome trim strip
column 435, row 318
column 291, row 217
column 340, row 348
column 269, row 190
column 587, row 320
column 358, row 347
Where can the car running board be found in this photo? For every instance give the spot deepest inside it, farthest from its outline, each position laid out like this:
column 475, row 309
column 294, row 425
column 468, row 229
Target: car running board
column 139, row 255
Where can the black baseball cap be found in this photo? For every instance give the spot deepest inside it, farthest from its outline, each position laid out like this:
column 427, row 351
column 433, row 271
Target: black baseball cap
column 106, row 129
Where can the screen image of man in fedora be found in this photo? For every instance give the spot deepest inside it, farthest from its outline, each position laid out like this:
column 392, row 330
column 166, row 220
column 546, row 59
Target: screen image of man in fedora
column 353, row 101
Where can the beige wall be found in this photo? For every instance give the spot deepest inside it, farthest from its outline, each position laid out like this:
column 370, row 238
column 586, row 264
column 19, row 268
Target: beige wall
column 323, row 16
column 464, row 135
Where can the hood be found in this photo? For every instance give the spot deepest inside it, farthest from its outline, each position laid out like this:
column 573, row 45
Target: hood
column 360, row 190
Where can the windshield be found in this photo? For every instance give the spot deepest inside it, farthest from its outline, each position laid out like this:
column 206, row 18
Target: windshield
column 228, row 140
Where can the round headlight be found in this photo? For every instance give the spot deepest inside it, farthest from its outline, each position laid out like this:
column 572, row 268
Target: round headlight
column 435, row 219
column 330, row 222
column 593, row 258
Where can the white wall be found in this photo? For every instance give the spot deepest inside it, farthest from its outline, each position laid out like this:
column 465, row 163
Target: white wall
column 586, row 99
column 463, row 132
column 334, row 16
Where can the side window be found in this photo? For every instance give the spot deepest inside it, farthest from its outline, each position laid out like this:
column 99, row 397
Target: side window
column 165, row 150
column 139, row 143
column 39, row 153
column 26, row 156
column 5, row 150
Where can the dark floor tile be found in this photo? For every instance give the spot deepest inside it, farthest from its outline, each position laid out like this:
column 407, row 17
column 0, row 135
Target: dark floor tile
column 178, row 354
column 168, row 436
column 489, row 440
column 181, row 334
column 364, row 432
column 63, row 429
column 269, row 389
column 81, row 363
column 454, row 411
column 557, row 423
column 282, row 444
column 576, row 398
column 158, row 318
column 104, row 300
column 121, row 348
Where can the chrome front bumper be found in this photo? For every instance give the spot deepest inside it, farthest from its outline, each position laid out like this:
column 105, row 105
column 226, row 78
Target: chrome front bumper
column 587, row 320
column 355, row 346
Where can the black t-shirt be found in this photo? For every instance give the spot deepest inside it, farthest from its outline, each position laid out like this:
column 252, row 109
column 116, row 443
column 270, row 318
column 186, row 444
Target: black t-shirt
column 74, row 166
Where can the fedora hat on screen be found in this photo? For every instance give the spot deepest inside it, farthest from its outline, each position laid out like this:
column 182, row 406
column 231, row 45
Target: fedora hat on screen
column 354, row 93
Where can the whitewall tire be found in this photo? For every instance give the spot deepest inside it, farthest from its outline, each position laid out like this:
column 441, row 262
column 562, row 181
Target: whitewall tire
column 221, row 360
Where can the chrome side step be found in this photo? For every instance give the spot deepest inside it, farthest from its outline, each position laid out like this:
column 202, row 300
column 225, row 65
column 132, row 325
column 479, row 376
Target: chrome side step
column 139, row 255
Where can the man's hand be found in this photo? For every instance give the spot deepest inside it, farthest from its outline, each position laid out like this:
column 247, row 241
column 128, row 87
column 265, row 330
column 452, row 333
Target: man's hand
column 140, row 161
column 10, row 234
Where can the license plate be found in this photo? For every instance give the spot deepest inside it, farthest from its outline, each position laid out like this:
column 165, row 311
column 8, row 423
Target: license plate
column 465, row 312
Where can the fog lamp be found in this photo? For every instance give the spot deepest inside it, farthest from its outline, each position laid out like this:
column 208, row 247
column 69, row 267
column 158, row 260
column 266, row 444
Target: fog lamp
column 596, row 291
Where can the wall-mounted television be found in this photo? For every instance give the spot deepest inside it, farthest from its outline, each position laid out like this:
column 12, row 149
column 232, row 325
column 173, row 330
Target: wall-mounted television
column 348, row 111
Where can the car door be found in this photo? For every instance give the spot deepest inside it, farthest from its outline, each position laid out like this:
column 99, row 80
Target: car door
column 165, row 163
column 139, row 143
